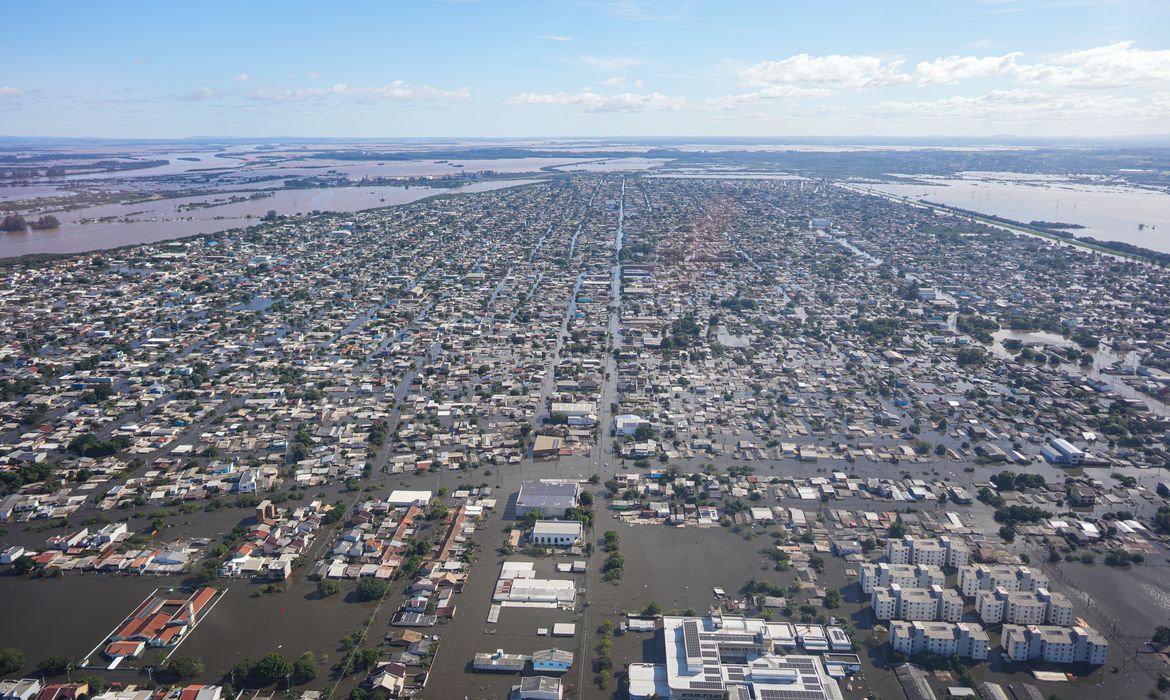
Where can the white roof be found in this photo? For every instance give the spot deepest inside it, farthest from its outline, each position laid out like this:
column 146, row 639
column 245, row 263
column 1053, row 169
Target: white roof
column 556, row 527
column 406, row 498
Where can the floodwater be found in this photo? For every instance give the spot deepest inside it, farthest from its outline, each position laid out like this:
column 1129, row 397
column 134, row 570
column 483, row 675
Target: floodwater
column 160, row 220
column 283, row 164
column 613, row 165
column 179, row 162
column 17, row 192
column 1108, row 212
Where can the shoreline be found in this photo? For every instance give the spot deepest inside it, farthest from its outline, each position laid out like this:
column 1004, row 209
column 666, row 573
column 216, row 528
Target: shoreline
column 9, row 261
column 1013, row 226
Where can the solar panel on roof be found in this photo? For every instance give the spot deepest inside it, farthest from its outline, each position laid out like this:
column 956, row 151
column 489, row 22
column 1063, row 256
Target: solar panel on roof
column 770, row 694
column 802, row 664
column 706, row 685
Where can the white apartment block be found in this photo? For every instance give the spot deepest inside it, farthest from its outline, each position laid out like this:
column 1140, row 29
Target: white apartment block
column 1058, row 645
column 1023, row 608
column 963, row 639
column 884, row 575
column 973, row 579
column 935, row 603
column 944, row 551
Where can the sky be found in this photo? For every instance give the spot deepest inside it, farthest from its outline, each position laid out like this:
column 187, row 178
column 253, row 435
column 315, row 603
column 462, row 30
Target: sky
column 592, row 68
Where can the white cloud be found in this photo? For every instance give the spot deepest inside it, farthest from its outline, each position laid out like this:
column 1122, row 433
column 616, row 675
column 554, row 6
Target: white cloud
column 622, row 81
column 1115, row 65
column 771, row 92
column 598, row 102
column 203, row 93
column 836, row 69
column 1026, row 106
column 609, row 63
column 9, row 91
column 243, row 77
column 398, row 90
column 953, row 69
column 648, row 10
column 564, row 38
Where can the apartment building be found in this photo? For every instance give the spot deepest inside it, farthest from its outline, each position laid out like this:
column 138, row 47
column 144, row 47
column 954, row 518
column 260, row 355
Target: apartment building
column 1058, row 645
column 929, row 604
column 973, row 579
column 944, row 551
column 884, row 575
column 963, row 639
column 1024, row 608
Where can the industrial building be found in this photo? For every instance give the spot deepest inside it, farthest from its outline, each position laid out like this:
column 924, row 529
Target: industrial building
column 556, row 533
column 1062, row 452
column 548, row 497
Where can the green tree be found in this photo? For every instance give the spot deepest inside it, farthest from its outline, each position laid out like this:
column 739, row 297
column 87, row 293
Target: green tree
column 652, row 610
column 183, row 667
column 55, row 665
column 11, row 660
column 1161, row 636
column 370, row 588
column 23, row 565
column 327, row 587
column 270, row 669
column 361, row 660
column 305, row 668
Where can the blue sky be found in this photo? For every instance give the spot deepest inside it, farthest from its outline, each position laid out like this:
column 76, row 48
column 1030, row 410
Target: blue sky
column 369, row 68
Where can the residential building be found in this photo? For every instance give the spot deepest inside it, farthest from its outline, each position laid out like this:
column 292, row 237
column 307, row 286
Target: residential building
column 944, row 551
column 1058, row 645
column 963, row 639
column 537, row 688
column 22, row 689
column 980, row 577
column 883, row 575
column 66, row 691
column 899, row 603
column 1024, row 608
